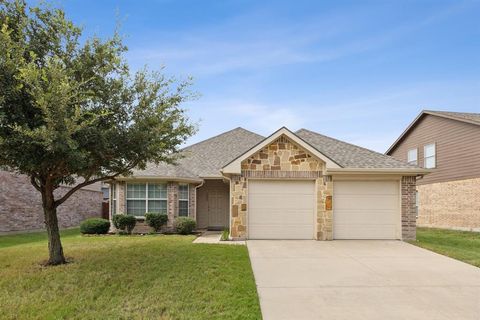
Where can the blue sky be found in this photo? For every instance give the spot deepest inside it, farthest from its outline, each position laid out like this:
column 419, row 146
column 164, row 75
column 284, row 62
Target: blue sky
column 359, row 71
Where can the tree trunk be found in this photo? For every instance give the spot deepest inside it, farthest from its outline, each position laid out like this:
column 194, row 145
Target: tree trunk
column 55, row 249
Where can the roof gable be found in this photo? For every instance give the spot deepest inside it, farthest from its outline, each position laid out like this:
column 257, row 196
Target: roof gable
column 234, row 167
column 472, row 118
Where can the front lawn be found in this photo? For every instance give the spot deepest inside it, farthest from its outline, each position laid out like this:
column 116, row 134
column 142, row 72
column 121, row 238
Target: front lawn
column 460, row 245
column 126, row 277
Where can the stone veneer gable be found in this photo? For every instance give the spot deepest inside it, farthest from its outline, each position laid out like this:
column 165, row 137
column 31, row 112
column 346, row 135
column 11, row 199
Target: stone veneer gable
column 281, row 159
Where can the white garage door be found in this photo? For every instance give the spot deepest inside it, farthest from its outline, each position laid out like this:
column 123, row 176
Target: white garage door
column 365, row 209
column 280, row 209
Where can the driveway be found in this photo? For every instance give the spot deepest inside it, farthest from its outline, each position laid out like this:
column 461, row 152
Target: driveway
column 361, row 280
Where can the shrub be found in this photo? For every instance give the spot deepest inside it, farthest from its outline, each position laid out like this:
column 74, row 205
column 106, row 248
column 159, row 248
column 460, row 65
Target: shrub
column 156, row 220
column 185, row 225
column 124, row 222
column 95, row 226
column 225, row 234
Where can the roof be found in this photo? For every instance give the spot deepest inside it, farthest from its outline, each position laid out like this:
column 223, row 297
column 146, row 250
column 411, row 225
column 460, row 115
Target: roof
column 206, row 158
column 468, row 117
column 350, row 156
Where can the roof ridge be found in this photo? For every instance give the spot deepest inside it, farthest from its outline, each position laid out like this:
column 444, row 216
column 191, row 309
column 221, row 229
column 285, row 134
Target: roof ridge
column 220, row 134
column 351, row 144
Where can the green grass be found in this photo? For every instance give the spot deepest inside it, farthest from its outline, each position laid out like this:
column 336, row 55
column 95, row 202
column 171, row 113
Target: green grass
column 460, row 245
column 126, row 277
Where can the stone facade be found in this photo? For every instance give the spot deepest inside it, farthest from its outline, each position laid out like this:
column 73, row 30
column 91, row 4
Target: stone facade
column 324, row 187
column 280, row 159
column 21, row 205
column 172, row 204
column 452, row 205
column 409, row 210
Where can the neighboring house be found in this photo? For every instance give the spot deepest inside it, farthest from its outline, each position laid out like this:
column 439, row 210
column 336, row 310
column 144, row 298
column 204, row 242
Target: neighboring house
column 21, row 205
column 449, row 144
column 300, row 185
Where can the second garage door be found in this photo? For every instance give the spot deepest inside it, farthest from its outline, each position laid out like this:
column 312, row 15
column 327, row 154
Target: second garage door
column 280, row 209
column 366, row 209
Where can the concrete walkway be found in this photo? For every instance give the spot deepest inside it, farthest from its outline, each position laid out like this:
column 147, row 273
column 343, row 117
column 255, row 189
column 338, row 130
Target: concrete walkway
column 213, row 237
column 361, row 280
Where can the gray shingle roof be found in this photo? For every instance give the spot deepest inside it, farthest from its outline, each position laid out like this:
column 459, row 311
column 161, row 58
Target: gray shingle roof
column 206, row 158
column 348, row 155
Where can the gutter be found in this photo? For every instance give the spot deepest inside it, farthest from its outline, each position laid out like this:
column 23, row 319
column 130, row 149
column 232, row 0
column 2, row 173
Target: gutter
column 399, row 171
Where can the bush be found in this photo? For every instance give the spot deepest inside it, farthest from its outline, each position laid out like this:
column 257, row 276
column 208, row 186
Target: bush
column 225, row 234
column 156, row 220
column 95, row 226
column 185, row 225
column 124, row 222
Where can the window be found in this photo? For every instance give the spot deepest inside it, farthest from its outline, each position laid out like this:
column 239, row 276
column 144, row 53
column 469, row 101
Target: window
column 183, row 200
column 413, row 156
column 113, row 199
column 105, row 191
column 146, row 197
column 429, row 151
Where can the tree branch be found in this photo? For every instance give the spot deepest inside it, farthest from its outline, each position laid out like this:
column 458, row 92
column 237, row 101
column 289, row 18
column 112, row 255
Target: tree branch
column 34, row 183
column 81, row 185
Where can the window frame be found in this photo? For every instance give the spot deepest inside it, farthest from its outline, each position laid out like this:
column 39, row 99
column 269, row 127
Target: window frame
column 415, row 162
column 187, row 200
column 434, row 156
column 146, row 199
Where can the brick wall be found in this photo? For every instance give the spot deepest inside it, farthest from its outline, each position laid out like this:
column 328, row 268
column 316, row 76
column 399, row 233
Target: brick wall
column 409, row 211
column 21, row 205
column 451, row 205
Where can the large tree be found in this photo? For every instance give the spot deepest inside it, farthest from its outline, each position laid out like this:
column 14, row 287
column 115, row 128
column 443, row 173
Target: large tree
column 71, row 112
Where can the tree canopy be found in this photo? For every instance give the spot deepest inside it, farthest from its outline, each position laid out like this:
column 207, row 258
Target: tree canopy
column 71, row 110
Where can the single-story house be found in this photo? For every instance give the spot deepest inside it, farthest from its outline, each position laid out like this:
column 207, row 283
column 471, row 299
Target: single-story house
column 290, row 185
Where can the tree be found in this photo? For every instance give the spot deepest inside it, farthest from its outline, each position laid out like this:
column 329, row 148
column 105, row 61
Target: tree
column 72, row 113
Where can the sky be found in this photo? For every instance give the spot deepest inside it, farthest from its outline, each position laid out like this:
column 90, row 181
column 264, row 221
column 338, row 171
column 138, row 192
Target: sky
column 358, row 71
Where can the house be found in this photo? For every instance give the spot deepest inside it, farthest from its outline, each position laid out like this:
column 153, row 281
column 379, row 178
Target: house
column 21, row 204
column 449, row 144
column 290, row 185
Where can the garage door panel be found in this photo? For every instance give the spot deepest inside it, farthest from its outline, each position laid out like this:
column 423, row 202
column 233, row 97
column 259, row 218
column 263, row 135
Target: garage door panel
column 281, row 209
column 365, row 202
column 273, row 216
column 366, row 209
column 273, row 231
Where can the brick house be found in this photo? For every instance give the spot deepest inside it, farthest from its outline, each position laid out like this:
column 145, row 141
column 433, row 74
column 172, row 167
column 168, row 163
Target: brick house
column 289, row 185
column 448, row 143
column 21, row 205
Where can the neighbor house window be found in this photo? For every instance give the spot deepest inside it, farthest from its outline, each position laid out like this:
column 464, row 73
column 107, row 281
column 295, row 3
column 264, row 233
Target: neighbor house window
column 413, row 156
column 146, row 197
column 113, row 198
column 183, row 200
column 429, row 151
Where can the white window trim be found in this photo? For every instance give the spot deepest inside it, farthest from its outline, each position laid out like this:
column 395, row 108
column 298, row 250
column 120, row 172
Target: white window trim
column 113, row 199
column 187, row 200
column 416, row 157
column 146, row 199
column 434, row 155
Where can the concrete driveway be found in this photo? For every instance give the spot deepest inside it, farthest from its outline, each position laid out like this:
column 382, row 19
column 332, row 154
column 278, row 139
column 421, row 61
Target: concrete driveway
column 361, row 280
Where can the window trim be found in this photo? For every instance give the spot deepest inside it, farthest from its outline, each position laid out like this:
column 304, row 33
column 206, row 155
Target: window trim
column 185, row 200
column 434, row 155
column 113, row 199
column 415, row 162
column 146, row 199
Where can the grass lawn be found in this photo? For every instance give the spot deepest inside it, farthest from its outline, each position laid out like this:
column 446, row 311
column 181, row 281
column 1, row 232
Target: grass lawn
column 126, row 277
column 460, row 245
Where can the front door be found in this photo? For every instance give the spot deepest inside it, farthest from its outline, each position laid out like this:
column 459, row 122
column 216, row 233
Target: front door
column 217, row 208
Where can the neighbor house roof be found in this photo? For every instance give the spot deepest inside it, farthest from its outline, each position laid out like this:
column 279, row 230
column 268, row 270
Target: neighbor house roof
column 206, row 159
column 468, row 117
